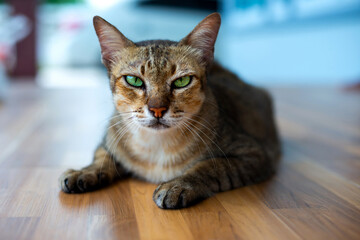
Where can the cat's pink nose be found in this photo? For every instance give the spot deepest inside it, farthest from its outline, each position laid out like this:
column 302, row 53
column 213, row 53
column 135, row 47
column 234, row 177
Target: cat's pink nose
column 158, row 112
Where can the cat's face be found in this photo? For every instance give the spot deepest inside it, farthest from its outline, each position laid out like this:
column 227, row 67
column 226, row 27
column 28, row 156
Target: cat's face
column 158, row 84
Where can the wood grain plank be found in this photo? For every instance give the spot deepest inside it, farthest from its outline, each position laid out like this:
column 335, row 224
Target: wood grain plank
column 321, row 123
column 320, row 149
column 313, row 223
column 253, row 219
column 344, row 189
column 209, row 220
column 21, row 228
column 18, row 129
column 318, row 204
column 112, row 227
column 154, row 223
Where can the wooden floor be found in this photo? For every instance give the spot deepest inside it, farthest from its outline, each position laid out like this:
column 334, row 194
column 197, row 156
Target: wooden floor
column 315, row 194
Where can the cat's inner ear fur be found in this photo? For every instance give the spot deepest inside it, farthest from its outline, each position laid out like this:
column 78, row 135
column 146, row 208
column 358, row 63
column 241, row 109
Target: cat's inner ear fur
column 204, row 35
column 111, row 40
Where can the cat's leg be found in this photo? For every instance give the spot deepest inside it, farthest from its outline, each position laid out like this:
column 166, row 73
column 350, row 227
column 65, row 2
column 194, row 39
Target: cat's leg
column 209, row 177
column 101, row 172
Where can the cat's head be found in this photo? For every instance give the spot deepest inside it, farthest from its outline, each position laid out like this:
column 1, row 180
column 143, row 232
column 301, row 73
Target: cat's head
column 158, row 84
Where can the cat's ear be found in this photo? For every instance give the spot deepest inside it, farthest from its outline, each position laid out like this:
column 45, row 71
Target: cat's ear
column 204, row 35
column 111, row 40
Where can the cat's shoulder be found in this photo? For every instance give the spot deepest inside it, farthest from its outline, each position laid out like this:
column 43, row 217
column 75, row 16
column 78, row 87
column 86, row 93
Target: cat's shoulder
column 226, row 84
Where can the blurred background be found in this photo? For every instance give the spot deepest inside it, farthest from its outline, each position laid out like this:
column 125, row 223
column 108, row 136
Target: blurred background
column 266, row 42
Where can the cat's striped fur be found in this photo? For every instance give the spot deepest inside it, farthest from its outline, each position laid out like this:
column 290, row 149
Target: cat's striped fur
column 216, row 134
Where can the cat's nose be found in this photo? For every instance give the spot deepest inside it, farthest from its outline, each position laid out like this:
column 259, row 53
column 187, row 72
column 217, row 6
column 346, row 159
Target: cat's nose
column 158, row 112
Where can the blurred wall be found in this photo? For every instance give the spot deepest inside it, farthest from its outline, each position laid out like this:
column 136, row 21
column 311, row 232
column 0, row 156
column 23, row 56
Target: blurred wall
column 292, row 42
column 317, row 53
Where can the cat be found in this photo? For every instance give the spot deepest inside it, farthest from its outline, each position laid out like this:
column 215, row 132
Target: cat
column 180, row 120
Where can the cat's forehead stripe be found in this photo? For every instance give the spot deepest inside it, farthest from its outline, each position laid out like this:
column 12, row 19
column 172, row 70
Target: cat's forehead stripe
column 173, row 69
column 142, row 69
column 157, row 58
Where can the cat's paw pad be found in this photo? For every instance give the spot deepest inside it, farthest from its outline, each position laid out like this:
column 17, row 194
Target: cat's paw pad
column 73, row 181
column 175, row 194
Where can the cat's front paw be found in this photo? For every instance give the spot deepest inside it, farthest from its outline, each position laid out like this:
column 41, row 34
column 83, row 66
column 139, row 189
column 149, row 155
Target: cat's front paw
column 73, row 181
column 177, row 193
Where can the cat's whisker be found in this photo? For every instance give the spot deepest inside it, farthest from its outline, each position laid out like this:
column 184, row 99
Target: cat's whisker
column 212, row 142
column 112, row 145
column 119, row 122
column 181, row 125
column 106, row 120
column 206, row 145
column 117, row 139
column 208, row 137
column 198, row 122
column 115, row 115
column 103, row 159
column 198, row 117
column 137, row 126
column 126, row 131
column 115, row 124
column 203, row 119
column 208, row 149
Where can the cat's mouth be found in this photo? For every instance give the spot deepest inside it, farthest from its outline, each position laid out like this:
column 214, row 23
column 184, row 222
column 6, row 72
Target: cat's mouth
column 158, row 125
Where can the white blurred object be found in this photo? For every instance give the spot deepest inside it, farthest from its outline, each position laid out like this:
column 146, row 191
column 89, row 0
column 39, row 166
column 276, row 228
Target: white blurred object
column 12, row 30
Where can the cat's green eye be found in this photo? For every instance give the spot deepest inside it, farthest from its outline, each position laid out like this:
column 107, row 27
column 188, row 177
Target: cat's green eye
column 182, row 82
column 134, row 81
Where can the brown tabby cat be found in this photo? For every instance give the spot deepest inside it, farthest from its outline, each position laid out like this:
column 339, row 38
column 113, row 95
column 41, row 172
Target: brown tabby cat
column 180, row 119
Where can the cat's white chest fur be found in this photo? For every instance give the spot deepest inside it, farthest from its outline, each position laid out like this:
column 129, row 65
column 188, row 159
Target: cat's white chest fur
column 159, row 156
